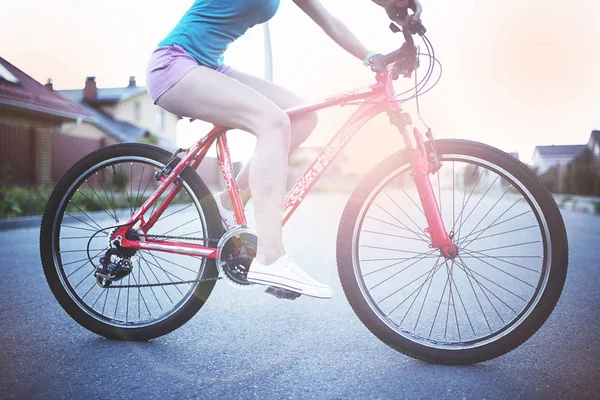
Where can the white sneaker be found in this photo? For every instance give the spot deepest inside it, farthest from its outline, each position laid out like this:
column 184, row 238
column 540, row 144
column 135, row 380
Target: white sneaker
column 227, row 216
column 285, row 273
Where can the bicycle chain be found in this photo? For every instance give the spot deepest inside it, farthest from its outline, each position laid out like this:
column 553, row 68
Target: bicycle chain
column 210, row 240
column 163, row 284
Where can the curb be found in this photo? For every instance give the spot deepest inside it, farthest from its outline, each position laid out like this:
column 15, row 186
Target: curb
column 20, row 222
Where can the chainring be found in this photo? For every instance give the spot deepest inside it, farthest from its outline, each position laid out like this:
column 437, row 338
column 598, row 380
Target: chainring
column 235, row 252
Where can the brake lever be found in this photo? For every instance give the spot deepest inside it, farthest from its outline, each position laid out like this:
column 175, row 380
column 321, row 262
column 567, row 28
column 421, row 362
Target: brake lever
column 414, row 28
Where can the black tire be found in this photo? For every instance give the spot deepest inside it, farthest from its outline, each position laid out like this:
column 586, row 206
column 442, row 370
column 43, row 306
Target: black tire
column 403, row 343
column 55, row 211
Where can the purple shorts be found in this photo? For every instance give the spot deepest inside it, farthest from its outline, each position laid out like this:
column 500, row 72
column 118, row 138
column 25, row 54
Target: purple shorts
column 167, row 66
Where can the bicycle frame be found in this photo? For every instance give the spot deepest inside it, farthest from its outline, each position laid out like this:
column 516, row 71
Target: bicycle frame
column 376, row 98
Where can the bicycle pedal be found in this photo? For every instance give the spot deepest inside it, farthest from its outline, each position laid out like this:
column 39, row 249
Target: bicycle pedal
column 281, row 293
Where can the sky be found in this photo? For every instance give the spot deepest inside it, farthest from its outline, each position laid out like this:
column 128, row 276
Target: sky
column 515, row 74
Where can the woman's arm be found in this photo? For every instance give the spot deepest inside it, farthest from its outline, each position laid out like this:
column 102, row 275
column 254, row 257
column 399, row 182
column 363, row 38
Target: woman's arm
column 333, row 27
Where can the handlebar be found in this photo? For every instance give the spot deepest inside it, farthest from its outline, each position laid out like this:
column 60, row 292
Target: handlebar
column 405, row 55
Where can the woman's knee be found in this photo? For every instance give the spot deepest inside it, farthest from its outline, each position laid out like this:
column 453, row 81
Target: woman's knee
column 309, row 122
column 275, row 124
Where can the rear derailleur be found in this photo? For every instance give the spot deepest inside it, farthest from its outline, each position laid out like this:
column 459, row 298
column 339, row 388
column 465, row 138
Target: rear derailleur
column 112, row 268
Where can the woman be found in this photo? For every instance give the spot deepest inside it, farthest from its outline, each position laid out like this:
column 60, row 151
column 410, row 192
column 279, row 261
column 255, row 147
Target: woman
column 186, row 76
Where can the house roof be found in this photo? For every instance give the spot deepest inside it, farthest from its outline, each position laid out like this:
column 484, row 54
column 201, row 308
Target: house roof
column 560, row 151
column 595, row 137
column 120, row 130
column 26, row 93
column 107, row 95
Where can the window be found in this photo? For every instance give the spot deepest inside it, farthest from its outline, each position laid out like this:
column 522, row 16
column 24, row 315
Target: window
column 160, row 120
column 137, row 111
column 7, row 75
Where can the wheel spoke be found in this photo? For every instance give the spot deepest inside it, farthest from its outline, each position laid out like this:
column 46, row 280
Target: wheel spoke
column 419, row 235
column 489, row 211
column 406, row 285
column 435, row 269
column 479, row 202
column 472, row 255
column 180, row 226
column 151, row 288
column 502, row 233
column 389, row 234
column 113, row 216
column 175, row 212
column 140, row 294
column 403, row 212
column 426, row 255
column 440, row 301
column 83, row 222
column 500, row 223
column 419, row 289
column 127, row 195
column 137, row 195
column 481, row 285
column 157, row 281
column 503, row 271
column 411, row 199
column 396, row 226
column 111, row 200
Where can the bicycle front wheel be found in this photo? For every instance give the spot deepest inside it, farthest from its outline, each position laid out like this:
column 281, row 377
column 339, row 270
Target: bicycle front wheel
column 502, row 286
column 100, row 193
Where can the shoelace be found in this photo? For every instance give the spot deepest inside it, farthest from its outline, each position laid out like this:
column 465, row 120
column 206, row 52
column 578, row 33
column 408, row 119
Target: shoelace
column 298, row 272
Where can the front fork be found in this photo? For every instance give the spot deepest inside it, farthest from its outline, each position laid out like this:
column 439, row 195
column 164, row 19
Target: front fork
column 425, row 161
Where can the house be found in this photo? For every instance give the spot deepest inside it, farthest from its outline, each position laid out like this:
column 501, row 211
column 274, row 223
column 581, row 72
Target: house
column 30, row 118
column 124, row 114
column 594, row 143
column 546, row 157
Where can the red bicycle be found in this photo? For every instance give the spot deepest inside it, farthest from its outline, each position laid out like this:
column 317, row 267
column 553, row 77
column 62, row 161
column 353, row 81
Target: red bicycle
column 449, row 251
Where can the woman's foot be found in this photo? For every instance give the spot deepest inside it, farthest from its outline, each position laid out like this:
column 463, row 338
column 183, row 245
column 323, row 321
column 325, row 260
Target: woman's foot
column 286, row 274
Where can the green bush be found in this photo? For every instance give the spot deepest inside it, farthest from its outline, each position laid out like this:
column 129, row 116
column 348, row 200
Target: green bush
column 9, row 208
column 19, row 202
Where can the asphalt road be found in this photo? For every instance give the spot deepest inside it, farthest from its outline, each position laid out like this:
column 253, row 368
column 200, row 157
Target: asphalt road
column 246, row 344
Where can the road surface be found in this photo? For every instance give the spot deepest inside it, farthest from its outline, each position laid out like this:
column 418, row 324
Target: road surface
column 246, row 344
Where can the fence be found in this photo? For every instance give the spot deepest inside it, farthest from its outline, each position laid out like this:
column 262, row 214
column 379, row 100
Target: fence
column 17, row 152
column 68, row 149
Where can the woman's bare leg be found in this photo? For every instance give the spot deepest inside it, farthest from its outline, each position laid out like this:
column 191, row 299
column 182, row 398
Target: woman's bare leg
column 301, row 127
column 210, row 96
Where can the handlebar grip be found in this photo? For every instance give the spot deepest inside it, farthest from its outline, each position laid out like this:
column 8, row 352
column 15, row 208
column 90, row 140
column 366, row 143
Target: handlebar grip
column 417, row 28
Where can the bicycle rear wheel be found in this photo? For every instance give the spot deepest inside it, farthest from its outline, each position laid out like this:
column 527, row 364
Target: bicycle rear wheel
column 502, row 286
column 98, row 194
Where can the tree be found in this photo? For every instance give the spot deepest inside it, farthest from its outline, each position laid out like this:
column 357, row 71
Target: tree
column 581, row 175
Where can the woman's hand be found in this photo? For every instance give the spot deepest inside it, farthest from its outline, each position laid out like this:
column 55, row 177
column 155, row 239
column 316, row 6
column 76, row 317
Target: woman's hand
column 397, row 10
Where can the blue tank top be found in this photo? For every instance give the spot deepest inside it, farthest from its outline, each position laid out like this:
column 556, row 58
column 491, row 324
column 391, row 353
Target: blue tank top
column 209, row 26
